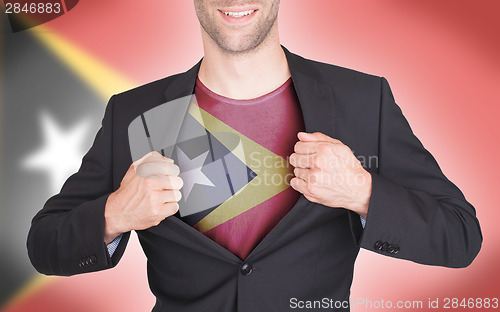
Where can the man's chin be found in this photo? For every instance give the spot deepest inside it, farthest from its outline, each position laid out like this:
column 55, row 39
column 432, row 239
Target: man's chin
column 240, row 46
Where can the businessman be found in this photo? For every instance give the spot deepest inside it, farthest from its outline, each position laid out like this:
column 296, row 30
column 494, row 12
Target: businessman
column 218, row 236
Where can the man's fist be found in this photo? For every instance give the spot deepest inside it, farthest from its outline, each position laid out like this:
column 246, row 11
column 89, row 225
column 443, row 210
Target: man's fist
column 148, row 193
column 327, row 172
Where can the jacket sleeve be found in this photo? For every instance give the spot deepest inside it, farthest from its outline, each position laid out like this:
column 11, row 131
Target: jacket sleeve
column 67, row 236
column 415, row 212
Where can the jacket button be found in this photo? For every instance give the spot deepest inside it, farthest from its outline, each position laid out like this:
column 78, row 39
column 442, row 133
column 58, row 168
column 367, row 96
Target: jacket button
column 83, row 263
column 246, row 269
column 390, row 249
column 378, row 245
column 395, row 249
column 93, row 260
column 385, row 245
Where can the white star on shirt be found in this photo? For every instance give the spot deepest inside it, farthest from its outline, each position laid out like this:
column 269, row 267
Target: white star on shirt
column 191, row 171
column 61, row 153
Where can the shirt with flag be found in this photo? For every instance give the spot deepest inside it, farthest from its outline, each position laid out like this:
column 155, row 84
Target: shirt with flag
column 236, row 174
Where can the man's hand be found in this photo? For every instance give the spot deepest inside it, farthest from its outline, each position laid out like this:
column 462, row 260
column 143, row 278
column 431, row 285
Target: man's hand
column 148, row 193
column 327, row 172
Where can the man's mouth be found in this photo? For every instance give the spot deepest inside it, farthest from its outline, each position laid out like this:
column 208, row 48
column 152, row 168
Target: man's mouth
column 239, row 14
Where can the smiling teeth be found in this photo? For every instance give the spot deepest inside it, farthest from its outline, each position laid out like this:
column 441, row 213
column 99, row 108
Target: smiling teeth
column 239, row 14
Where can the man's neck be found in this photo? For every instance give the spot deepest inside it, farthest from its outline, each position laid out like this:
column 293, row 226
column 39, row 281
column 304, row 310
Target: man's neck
column 244, row 76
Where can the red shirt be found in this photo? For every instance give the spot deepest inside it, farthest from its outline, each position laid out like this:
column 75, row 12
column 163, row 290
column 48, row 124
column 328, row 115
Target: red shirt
column 272, row 121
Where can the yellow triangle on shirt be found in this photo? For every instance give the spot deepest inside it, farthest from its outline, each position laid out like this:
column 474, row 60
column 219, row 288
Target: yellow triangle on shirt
column 273, row 172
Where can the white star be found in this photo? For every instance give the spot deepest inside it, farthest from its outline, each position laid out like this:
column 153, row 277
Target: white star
column 61, row 153
column 191, row 171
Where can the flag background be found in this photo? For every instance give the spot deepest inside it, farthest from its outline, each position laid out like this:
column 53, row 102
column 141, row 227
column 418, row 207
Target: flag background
column 440, row 57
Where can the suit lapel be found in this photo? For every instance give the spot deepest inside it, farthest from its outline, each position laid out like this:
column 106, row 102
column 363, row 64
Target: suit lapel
column 317, row 105
column 316, row 99
column 183, row 84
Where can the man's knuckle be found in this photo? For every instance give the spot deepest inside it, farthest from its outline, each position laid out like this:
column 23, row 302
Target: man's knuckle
column 177, row 195
column 179, row 182
column 172, row 169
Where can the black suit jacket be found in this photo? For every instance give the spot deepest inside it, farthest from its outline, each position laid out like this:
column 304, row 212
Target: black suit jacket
column 415, row 212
